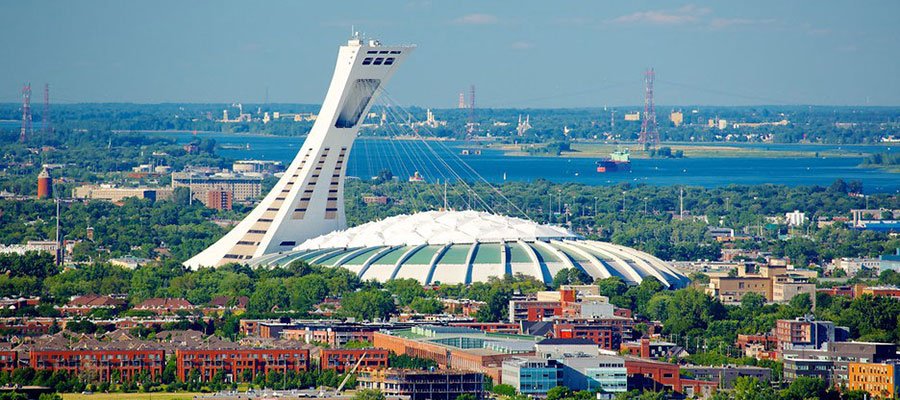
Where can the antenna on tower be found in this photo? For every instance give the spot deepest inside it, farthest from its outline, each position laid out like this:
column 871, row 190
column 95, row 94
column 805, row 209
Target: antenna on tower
column 45, row 116
column 649, row 134
column 26, row 113
column 470, row 131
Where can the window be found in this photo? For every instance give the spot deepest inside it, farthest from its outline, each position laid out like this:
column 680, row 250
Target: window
column 358, row 97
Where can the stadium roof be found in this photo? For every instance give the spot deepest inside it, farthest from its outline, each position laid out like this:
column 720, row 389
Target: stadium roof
column 469, row 246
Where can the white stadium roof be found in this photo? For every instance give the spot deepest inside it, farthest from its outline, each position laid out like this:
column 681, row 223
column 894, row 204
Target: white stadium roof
column 471, row 246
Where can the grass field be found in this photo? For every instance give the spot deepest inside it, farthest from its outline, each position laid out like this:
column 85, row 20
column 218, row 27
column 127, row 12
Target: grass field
column 130, row 396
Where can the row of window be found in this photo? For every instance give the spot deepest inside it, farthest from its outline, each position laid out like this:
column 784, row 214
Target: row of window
column 378, row 61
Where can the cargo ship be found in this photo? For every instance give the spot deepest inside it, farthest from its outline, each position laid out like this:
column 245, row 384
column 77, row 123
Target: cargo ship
column 618, row 161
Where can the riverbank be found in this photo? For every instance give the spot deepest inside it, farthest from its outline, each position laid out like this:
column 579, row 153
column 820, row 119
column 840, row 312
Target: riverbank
column 690, row 150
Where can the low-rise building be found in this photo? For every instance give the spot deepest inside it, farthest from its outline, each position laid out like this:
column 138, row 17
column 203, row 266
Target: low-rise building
column 644, row 374
column 878, row 379
column 342, row 360
column 118, row 194
column 83, row 305
column 239, row 365
column 166, row 305
column 831, row 362
column 102, row 364
column 727, row 375
column 423, row 385
column 532, row 375
column 807, row 333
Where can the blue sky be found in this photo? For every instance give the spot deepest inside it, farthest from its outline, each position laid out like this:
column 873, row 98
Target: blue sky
column 517, row 53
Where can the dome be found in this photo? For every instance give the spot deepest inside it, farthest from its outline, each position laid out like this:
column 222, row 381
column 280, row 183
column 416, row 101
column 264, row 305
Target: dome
column 469, row 246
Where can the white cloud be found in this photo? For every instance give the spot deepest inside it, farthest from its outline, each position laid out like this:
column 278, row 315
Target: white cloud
column 522, row 45
column 476, row 19
column 719, row 23
column 684, row 15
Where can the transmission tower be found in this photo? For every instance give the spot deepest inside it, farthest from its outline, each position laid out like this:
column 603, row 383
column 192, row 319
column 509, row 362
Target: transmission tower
column 45, row 116
column 470, row 127
column 26, row 113
column 649, row 134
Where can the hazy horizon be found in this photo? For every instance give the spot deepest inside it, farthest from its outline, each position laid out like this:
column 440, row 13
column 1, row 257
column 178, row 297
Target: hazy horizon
column 526, row 54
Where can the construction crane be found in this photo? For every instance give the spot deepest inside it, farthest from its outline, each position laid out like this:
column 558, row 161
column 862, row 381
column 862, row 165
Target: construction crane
column 352, row 371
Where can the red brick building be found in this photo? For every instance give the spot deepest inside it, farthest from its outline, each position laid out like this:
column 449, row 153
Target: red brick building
column 657, row 376
column 219, row 199
column 102, row 363
column 342, row 360
column 235, row 361
column 607, row 337
column 9, row 360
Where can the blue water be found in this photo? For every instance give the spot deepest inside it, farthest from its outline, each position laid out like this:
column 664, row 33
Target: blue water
column 404, row 157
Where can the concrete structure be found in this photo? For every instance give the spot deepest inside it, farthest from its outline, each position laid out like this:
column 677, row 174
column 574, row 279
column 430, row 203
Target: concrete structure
column 308, row 200
column 560, row 347
column 44, row 185
column 423, row 385
column 118, row 194
column 470, row 246
column 878, row 379
column 257, row 166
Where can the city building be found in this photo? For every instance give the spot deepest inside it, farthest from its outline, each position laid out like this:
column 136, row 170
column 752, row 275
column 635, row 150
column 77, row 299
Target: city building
column 559, row 347
column 532, row 375
column 795, row 218
column 83, row 305
column 878, row 379
column 165, row 305
column 458, row 347
column 831, row 362
column 852, row 266
column 807, row 333
column 257, row 167
column 774, row 282
column 633, row 116
column 9, row 361
column 890, row 262
column 644, row 374
column 119, row 194
column 726, row 376
column 239, row 365
column 44, row 185
column 423, row 385
column 646, row 348
column 677, row 118
column 342, row 360
column 103, row 364
column 242, row 187
column 219, row 199
column 600, row 373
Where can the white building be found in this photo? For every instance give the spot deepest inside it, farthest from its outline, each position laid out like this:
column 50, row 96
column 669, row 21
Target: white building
column 795, row 218
column 852, row 266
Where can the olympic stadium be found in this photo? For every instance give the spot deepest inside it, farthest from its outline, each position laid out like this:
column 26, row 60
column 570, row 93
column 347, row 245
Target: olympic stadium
column 470, row 246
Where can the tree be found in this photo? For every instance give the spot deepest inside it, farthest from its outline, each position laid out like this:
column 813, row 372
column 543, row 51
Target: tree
column 749, row 388
column 427, row 306
column 559, row 393
column 466, row 396
column 371, row 304
column 504, row 390
column 369, row 394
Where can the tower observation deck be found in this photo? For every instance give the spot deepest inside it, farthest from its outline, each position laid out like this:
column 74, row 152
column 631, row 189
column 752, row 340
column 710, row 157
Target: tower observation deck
column 308, row 200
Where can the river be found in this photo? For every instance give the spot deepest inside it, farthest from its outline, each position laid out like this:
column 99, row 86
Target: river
column 404, row 157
